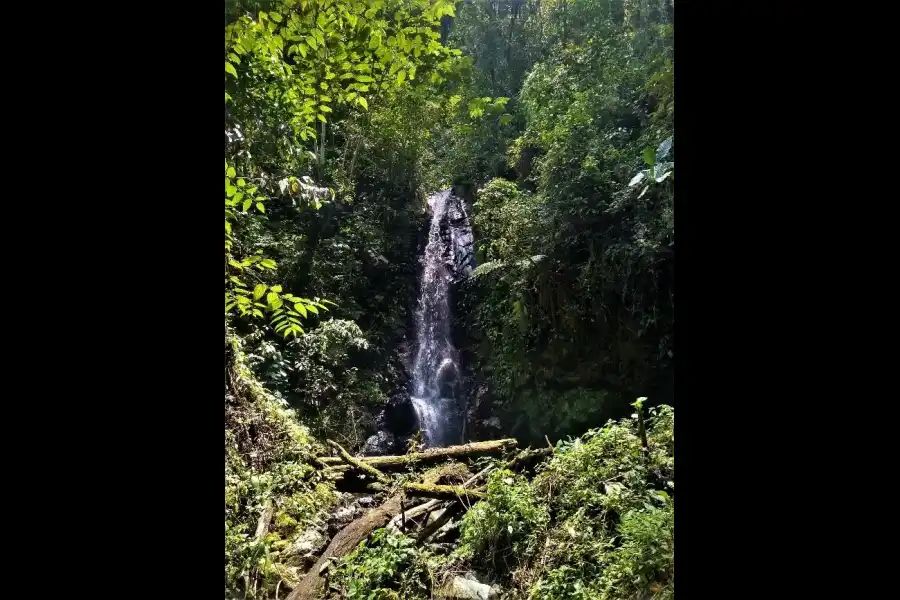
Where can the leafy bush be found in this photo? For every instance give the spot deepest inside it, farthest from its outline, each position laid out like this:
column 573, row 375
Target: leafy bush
column 596, row 523
column 506, row 527
column 389, row 565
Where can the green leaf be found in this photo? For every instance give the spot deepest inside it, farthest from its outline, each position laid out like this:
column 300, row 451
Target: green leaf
column 229, row 68
column 247, row 204
column 649, row 156
column 258, row 291
column 362, row 102
column 312, row 309
column 231, row 172
column 300, row 309
column 260, row 207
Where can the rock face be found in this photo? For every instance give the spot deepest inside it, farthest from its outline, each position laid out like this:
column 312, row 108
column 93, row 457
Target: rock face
column 456, row 232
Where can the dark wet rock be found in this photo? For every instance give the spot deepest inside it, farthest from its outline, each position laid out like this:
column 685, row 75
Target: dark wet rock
column 399, row 417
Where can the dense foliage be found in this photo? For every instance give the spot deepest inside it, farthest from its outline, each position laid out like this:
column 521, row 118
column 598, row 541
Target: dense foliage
column 576, row 316
column 555, row 120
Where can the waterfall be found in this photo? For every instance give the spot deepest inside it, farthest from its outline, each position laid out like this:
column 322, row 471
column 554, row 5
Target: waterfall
column 435, row 375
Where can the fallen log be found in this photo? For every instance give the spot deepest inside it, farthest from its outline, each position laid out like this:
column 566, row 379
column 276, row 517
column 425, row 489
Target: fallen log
column 444, row 492
column 355, row 462
column 310, row 587
column 430, row 455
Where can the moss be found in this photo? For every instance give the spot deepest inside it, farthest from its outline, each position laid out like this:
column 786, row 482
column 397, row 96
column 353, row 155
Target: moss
column 268, row 456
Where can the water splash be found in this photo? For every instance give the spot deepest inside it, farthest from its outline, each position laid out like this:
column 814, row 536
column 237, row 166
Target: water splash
column 435, row 372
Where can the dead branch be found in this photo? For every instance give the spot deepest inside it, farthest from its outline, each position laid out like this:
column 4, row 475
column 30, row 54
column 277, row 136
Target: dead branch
column 431, row 504
column 262, row 526
column 450, row 511
column 358, row 463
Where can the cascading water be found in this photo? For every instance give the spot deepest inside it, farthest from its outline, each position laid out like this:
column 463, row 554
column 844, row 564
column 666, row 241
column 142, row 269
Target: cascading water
column 435, row 374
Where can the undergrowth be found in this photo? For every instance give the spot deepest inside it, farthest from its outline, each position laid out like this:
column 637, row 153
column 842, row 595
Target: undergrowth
column 595, row 523
column 268, row 456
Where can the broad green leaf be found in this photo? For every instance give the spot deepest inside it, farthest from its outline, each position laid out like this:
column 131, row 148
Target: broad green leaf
column 649, row 156
column 276, row 289
column 300, row 308
column 312, row 309
column 258, row 291
column 260, row 207
column 229, row 68
column 247, row 204
column 362, row 101
column 231, row 172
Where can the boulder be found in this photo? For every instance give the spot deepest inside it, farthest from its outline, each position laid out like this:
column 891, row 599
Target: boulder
column 461, row 588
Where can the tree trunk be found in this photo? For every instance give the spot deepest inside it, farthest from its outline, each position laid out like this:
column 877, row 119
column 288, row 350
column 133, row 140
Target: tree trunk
column 310, row 587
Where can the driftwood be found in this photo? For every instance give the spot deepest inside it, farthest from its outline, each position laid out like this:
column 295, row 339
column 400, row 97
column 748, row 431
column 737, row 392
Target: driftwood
column 447, row 492
column 355, row 462
column 310, row 587
column 430, row 455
